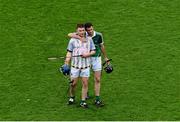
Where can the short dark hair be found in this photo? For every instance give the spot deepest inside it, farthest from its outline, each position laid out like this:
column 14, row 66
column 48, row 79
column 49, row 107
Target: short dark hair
column 88, row 25
column 80, row 26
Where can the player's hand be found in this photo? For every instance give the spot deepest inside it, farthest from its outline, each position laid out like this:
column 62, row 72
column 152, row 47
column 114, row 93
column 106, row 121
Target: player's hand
column 107, row 60
column 85, row 55
column 65, row 69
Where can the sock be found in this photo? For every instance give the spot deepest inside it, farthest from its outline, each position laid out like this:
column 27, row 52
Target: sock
column 97, row 98
column 82, row 101
column 73, row 97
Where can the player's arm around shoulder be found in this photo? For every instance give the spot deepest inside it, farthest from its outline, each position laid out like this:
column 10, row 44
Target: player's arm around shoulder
column 74, row 35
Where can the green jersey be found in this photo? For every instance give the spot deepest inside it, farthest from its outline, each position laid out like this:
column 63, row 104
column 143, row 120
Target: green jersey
column 98, row 40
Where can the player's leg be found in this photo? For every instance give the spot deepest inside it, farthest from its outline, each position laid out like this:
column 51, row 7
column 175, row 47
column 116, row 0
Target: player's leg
column 97, row 84
column 84, row 77
column 72, row 90
column 97, row 68
column 84, row 89
column 74, row 79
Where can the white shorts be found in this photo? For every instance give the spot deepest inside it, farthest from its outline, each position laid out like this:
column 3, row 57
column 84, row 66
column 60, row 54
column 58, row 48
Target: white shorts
column 96, row 63
column 75, row 73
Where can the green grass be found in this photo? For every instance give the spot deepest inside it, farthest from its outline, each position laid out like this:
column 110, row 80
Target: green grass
column 141, row 36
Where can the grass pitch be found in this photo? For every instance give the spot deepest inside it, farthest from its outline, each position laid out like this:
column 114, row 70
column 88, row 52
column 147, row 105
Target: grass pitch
column 141, row 36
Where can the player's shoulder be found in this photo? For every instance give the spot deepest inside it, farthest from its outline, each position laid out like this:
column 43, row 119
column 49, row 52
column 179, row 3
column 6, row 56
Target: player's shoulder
column 72, row 40
column 98, row 33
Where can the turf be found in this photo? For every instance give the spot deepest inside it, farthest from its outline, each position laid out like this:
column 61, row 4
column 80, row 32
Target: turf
column 141, row 36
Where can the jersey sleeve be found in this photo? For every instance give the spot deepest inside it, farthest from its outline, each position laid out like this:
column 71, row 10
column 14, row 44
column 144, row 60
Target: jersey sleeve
column 101, row 39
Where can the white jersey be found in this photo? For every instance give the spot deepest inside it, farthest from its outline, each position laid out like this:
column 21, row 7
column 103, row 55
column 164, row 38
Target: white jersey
column 77, row 48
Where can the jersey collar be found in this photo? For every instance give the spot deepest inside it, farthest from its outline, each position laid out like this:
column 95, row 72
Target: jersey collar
column 94, row 34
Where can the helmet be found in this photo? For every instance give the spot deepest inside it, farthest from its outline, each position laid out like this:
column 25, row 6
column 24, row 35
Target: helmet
column 65, row 69
column 108, row 68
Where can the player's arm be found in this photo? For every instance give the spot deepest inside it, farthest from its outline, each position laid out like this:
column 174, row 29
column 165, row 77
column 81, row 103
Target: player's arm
column 92, row 52
column 85, row 55
column 103, row 50
column 69, row 52
column 74, row 35
column 68, row 58
column 104, row 54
